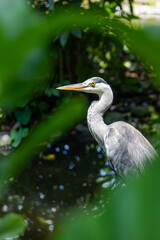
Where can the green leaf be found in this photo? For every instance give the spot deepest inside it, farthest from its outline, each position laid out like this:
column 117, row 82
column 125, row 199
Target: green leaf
column 11, row 225
column 23, row 116
column 16, row 136
column 16, row 142
column 13, row 134
column 55, row 92
column 64, row 38
column 27, row 56
column 77, row 33
column 23, row 132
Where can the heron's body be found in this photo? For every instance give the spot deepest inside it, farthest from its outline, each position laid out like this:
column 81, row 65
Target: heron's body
column 126, row 148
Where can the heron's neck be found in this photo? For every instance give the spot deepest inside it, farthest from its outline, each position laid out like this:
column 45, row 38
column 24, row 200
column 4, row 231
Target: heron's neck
column 95, row 114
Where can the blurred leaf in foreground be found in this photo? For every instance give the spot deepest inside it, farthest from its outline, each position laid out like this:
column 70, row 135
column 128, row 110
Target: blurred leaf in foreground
column 133, row 213
column 11, row 225
column 23, row 49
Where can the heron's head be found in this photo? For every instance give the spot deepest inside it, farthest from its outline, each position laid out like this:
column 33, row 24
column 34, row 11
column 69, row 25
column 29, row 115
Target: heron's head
column 92, row 85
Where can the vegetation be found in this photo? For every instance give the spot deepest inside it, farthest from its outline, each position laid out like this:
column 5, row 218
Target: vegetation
column 52, row 43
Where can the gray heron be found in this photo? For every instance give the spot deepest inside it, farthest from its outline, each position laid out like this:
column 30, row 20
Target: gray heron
column 126, row 148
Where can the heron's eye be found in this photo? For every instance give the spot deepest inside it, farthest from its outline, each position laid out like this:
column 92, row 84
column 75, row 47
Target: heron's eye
column 93, row 84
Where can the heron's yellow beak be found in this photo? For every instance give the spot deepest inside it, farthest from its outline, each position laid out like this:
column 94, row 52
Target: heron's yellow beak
column 76, row 87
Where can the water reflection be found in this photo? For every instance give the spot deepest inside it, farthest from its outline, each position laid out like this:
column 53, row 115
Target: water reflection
column 68, row 173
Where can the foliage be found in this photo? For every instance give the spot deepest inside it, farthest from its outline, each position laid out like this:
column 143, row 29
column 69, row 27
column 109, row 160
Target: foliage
column 30, row 53
column 46, row 6
column 23, row 116
column 11, row 225
column 76, row 53
column 16, row 136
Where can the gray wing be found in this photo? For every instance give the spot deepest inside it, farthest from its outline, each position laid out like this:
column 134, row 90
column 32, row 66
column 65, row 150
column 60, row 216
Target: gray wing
column 127, row 149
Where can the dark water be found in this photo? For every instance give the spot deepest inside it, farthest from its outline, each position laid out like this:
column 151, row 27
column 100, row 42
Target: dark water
column 69, row 173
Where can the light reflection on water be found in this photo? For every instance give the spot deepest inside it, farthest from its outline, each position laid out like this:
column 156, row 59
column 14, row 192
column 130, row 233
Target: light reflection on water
column 69, row 173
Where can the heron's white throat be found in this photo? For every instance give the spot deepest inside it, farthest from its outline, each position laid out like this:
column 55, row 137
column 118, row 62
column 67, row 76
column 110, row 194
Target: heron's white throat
column 95, row 115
